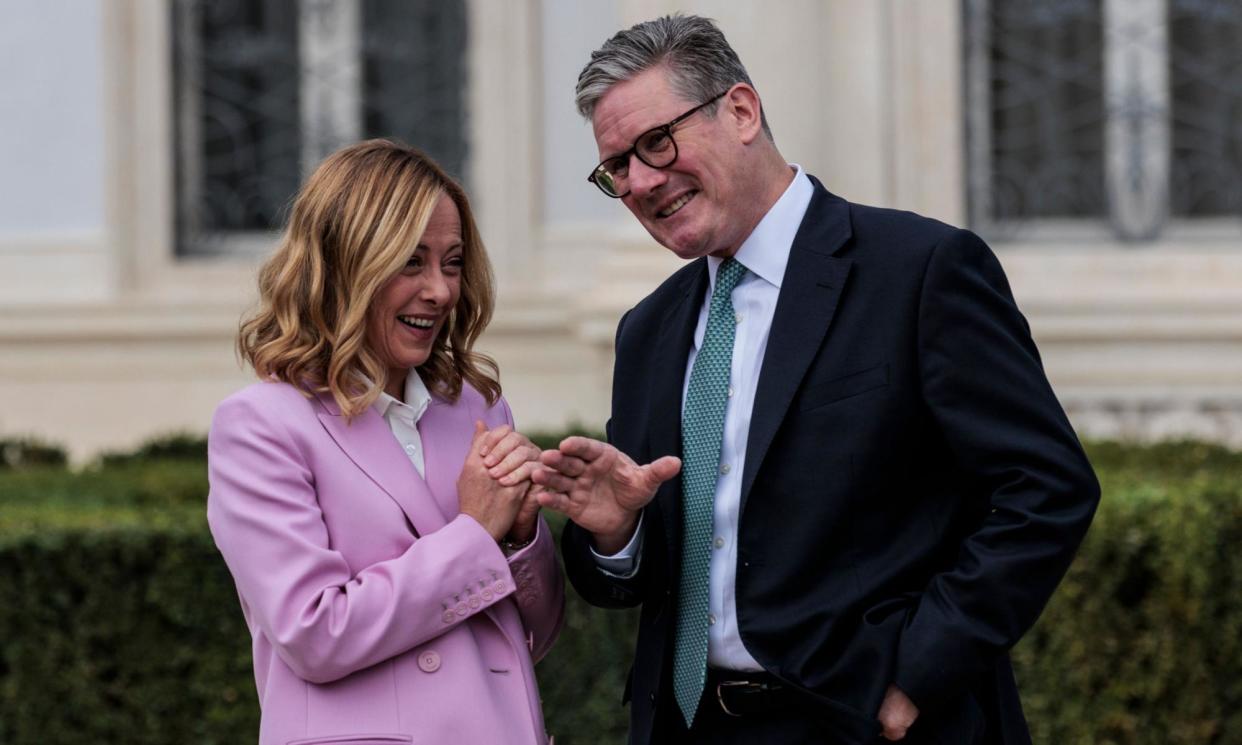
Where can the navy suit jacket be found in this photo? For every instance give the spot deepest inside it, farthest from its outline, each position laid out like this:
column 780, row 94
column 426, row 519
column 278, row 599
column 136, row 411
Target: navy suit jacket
column 912, row 492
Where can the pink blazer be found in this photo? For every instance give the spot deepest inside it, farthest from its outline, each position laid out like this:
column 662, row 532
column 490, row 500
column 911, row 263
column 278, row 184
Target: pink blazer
column 379, row 614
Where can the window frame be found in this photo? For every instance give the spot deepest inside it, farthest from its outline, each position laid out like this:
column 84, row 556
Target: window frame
column 1136, row 132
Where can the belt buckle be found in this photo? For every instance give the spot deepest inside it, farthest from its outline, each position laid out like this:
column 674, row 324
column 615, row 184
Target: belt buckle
column 742, row 684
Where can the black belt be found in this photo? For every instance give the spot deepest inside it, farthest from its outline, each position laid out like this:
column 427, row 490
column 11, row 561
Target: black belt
column 747, row 694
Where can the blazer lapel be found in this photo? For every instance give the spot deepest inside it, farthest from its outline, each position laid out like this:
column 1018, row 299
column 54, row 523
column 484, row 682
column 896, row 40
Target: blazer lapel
column 370, row 444
column 446, row 436
column 672, row 349
column 812, row 286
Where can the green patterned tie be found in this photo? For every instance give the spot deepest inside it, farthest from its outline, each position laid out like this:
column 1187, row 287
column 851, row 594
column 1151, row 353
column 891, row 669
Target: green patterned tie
column 702, row 427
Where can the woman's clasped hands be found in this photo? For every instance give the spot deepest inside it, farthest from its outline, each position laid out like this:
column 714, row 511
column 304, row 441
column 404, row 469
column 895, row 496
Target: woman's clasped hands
column 495, row 486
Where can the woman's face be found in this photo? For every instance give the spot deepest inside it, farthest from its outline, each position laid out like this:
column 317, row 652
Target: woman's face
column 411, row 309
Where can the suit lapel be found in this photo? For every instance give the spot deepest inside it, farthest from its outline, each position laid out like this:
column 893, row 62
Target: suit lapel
column 446, row 436
column 672, row 349
column 370, row 444
column 812, row 286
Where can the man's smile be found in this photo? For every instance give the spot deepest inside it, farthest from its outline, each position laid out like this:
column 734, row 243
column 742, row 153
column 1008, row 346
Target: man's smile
column 677, row 204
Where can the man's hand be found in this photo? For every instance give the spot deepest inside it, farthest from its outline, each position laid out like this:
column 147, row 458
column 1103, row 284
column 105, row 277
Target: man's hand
column 897, row 713
column 600, row 488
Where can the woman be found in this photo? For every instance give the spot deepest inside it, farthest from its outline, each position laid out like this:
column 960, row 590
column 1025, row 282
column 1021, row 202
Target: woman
column 369, row 494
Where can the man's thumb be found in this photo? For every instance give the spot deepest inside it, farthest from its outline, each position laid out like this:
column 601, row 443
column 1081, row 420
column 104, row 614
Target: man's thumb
column 663, row 469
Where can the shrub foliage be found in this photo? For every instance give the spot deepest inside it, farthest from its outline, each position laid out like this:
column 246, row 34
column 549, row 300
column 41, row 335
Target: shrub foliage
column 119, row 622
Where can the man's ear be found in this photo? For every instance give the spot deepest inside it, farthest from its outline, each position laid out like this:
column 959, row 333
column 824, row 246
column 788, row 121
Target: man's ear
column 743, row 105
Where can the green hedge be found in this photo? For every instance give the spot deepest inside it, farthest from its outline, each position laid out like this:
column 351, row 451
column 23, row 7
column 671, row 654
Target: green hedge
column 119, row 623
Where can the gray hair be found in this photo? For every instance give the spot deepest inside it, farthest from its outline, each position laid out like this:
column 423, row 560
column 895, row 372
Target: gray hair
column 700, row 62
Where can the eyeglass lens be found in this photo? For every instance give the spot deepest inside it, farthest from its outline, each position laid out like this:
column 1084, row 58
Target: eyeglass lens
column 655, row 148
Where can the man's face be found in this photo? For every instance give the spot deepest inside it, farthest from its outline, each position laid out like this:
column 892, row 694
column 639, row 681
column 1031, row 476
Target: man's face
column 696, row 206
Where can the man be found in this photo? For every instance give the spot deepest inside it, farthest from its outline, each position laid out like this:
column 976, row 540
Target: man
column 878, row 490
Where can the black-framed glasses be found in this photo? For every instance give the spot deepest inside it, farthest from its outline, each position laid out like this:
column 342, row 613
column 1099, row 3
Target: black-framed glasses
column 655, row 147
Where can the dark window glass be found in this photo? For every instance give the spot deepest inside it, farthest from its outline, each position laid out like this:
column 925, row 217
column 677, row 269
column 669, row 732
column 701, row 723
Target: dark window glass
column 415, row 76
column 242, row 127
column 1047, row 115
column 237, row 119
column 1205, row 79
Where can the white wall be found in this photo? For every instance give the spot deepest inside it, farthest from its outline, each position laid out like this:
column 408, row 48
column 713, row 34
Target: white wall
column 51, row 93
column 570, row 30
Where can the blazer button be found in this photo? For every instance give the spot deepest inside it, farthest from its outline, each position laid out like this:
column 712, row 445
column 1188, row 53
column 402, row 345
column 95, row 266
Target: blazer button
column 475, row 602
column 488, row 595
column 448, row 616
column 429, row 661
column 460, row 609
column 499, row 587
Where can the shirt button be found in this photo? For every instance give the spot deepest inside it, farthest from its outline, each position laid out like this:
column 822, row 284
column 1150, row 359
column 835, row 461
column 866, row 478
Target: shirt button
column 730, row 391
column 724, row 467
column 711, row 619
column 411, row 449
column 718, row 543
column 737, row 317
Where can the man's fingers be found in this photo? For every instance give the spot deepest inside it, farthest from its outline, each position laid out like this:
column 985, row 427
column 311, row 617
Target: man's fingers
column 897, row 713
column 553, row 480
column 583, row 447
column 568, row 465
column 553, row 500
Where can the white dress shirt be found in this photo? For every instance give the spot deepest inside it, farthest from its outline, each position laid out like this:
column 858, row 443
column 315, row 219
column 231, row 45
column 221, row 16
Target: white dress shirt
column 403, row 416
column 765, row 253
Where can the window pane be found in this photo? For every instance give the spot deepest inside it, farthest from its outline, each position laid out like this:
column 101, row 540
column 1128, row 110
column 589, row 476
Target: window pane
column 1046, row 109
column 1205, row 74
column 414, row 76
column 237, row 118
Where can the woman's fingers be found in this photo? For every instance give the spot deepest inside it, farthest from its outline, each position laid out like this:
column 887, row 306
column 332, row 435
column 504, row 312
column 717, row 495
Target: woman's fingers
column 517, row 458
column 491, row 439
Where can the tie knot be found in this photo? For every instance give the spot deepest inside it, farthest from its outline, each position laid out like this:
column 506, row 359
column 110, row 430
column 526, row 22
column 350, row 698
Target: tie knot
column 727, row 277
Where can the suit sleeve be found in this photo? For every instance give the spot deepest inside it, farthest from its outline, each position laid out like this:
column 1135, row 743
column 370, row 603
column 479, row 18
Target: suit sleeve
column 540, row 585
column 984, row 384
column 323, row 618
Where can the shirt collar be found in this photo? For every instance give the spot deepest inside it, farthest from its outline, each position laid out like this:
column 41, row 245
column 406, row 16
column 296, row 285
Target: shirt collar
column 765, row 252
column 417, row 398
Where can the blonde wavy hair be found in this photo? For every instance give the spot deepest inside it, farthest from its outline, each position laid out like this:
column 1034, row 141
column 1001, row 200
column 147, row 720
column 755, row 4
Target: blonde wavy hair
column 354, row 225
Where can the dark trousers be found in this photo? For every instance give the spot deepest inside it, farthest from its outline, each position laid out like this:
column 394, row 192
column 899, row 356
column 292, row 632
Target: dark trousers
column 804, row 725
column 713, row 727
column 788, row 724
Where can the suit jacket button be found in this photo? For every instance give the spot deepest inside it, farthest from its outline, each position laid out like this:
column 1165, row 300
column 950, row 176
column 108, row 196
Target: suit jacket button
column 475, row 602
column 448, row 616
column 488, row 594
column 499, row 587
column 429, row 661
column 460, row 609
